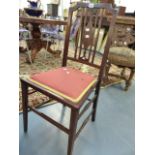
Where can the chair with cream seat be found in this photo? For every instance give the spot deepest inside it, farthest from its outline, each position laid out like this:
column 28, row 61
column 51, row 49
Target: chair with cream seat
column 122, row 53
column 72, row 87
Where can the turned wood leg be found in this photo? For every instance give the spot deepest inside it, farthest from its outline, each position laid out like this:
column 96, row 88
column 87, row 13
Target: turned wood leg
column 72, row 134
column 35, row 45
column 128, row 82
column 34, row 52
column 25, row 104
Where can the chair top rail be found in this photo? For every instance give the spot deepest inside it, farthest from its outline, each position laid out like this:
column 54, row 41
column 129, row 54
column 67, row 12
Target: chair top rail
column 93, row 6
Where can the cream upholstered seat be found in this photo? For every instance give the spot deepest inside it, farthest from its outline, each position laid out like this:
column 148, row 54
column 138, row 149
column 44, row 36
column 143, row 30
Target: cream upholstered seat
column 122, row 56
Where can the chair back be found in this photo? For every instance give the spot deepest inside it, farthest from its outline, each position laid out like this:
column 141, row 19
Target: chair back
column 124, row 35
column 93, row 22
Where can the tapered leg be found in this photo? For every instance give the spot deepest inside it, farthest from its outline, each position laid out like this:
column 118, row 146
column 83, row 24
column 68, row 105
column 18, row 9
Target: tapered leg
column 128, row 82
column 95, row 103
column 94, row 109
column 25, row 104
column 73, row 126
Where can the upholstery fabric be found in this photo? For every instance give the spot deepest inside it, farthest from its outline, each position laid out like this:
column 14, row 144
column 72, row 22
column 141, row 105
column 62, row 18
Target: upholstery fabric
column 122, row 56
column 69, row 83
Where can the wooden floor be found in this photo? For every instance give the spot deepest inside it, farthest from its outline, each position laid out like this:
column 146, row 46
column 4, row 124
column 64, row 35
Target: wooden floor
column 111, row 134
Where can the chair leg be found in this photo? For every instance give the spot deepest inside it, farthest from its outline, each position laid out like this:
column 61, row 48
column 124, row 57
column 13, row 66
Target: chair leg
column 25, row 105
column 94, row 110
column 72, row 134
column 95, row 104
column 128, row 82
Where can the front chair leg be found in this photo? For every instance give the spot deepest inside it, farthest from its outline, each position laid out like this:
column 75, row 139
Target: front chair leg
column 25, row 104
column 128, row 82
column 72, row 133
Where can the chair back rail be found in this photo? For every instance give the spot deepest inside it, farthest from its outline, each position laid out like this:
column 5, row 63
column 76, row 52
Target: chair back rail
column 123, row 35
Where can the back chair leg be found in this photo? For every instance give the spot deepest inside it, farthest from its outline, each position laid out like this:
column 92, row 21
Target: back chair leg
column 25, row 105
column 128, row 82
column 72, row 134
column 94, row 110
column 95, row 105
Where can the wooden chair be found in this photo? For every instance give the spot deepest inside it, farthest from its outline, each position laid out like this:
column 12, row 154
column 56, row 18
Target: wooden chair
column 72, row 87
column 122, row 53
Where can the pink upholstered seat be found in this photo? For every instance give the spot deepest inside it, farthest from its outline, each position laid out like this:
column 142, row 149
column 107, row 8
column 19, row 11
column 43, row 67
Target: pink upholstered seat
column 67, row 82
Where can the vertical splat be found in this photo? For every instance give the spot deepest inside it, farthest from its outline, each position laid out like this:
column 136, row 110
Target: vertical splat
column 89, row 38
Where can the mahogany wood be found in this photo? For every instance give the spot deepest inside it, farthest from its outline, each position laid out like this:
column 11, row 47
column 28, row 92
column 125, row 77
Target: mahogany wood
column 36, row 20
column 86, row 43
column 24, row 87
